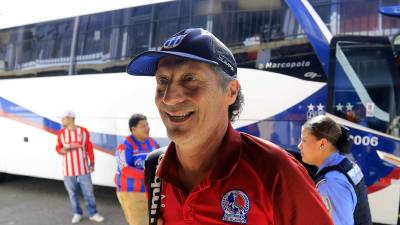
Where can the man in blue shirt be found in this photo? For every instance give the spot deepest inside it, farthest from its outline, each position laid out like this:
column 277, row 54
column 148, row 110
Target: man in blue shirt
column 129, row 178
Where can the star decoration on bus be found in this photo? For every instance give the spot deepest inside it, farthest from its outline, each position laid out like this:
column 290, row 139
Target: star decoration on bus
column 320, row 107
column 349, row 107
column 310, row 107
column 315, row 110
column 339, row 107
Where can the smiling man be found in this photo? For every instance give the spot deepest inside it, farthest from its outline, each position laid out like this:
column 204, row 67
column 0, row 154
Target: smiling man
column 211, row 173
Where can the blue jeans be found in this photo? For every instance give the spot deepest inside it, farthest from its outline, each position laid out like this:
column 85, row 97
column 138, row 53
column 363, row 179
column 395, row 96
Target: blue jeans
column 85, row 182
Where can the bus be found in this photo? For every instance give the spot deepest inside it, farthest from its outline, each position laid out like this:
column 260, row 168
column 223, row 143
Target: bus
column 291, row 68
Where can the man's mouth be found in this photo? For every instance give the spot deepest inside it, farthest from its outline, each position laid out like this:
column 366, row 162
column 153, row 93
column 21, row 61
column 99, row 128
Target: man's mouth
column 179, row 117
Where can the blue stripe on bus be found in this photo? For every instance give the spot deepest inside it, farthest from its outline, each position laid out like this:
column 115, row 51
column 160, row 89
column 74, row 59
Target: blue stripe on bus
column 104, row 142
column 16, row 110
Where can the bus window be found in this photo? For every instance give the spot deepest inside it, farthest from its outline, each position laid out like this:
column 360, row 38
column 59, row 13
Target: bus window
column 394, row 127
column 364, row 85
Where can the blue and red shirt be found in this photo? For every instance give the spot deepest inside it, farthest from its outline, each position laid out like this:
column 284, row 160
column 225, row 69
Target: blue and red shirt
column 253, row 182
column 130, row 156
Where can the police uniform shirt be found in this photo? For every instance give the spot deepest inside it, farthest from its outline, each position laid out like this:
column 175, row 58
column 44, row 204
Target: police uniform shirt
column 337, row 193
column 254, row 182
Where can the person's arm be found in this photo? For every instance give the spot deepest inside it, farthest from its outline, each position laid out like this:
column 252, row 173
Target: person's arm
column 295, row 199
column 60, row 146
column 89, row 149
column 129, row 155
column 339, row 197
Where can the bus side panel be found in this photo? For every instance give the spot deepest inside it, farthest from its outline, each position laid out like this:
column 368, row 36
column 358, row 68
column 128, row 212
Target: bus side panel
column 28, row 151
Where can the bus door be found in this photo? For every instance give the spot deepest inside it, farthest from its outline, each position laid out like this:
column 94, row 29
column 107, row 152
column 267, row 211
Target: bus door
column 363, row 82
column 364, row 89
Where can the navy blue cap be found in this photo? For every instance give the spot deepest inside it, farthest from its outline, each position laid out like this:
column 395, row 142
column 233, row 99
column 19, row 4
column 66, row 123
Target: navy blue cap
column 193, row 44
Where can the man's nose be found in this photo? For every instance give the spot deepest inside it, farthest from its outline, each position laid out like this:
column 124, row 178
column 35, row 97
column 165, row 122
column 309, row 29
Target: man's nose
column 173, row 94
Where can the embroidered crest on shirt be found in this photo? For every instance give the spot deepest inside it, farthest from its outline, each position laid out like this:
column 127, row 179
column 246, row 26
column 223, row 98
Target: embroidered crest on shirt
column 139, row 163
column 235, row 205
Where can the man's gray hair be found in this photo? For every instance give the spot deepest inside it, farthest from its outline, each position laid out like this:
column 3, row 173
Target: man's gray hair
column 235, row 109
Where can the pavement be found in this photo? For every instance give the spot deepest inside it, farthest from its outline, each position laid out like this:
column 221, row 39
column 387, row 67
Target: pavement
column 34, row 201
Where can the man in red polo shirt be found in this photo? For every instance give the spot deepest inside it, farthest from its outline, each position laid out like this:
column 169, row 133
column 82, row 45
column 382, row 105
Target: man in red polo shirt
column 211, row 173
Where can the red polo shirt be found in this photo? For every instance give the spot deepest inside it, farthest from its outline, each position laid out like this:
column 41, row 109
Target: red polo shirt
column 254, row 182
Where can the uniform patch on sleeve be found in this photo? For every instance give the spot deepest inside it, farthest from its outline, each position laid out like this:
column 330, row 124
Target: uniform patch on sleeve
column 320, row 182
column 235, row 205
column 327, row 203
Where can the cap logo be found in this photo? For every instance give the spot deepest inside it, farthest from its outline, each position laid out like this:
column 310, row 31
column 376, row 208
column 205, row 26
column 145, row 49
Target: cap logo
column 174, row 41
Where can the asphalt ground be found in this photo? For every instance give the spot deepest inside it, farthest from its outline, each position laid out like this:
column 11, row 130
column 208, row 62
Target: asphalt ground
column 33, row 201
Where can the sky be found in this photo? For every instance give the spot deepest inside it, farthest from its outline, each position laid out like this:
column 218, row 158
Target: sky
column 19, row 12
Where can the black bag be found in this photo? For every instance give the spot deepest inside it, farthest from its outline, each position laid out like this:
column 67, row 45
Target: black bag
column 153, row 183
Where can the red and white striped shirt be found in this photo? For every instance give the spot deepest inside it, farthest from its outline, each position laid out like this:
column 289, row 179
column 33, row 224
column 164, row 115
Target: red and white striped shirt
column 75, row 160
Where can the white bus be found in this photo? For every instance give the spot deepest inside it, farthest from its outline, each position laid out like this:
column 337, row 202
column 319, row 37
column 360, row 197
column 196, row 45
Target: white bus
column 291, row 68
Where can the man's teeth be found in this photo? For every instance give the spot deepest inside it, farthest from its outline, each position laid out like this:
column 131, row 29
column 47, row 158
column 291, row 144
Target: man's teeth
column 185, row 114
column 180, row 116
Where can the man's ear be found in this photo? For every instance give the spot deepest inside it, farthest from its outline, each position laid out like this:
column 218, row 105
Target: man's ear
column 233, row 91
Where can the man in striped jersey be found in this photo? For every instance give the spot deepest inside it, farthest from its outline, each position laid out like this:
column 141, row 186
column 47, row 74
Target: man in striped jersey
column 73, row 143
column 129, row 178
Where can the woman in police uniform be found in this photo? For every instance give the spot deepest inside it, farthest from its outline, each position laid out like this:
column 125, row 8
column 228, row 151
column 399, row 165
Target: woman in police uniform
column 339, row 181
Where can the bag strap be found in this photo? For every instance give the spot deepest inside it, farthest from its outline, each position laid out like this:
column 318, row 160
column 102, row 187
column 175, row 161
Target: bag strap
column 153, row 183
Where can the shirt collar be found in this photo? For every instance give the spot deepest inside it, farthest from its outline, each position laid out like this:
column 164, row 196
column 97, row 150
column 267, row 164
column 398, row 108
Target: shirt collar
column 227, row 159
column 137, row 140
column 334, row 159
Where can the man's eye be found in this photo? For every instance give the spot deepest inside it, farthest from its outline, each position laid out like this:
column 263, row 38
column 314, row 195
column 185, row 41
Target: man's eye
column 162, row 81
column 188, row 77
